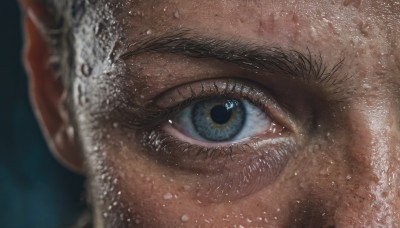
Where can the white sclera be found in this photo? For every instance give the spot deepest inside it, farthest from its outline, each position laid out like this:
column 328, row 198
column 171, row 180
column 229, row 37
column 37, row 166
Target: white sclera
column 256, row 122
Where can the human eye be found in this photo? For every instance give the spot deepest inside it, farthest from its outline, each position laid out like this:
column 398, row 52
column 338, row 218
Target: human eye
column 220, row 120
column 231, row 135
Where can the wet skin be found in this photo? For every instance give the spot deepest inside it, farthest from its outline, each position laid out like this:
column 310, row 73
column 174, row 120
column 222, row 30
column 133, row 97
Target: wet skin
column 332, row 158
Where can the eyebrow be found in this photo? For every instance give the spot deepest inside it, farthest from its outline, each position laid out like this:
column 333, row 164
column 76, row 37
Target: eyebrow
column 297, row 65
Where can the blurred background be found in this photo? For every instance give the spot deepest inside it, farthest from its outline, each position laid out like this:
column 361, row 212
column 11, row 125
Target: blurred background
column 35, row 191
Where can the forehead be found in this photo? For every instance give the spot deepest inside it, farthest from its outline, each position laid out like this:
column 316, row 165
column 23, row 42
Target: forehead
column 294, row 23
column 363, row 31
column 238, row 16
column 384, row 9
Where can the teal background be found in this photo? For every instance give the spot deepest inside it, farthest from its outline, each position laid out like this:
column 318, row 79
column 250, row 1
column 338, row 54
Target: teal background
column 35, row 191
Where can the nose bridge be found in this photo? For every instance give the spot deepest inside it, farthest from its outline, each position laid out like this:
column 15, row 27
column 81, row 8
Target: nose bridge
column 371, row 198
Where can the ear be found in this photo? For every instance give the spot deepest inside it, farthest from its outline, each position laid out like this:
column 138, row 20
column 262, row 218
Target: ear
column 46, row 90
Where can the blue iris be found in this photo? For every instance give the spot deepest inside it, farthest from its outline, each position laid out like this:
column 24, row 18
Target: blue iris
column 218, row 119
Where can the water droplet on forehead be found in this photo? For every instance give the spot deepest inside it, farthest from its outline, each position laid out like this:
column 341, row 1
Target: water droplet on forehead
column 185, row 218
column 168, row 196
column 177, row 15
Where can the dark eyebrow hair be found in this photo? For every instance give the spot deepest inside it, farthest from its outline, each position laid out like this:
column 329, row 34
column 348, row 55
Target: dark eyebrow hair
column 308, row 67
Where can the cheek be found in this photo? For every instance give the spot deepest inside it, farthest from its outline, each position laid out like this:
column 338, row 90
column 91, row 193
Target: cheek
column 131, row 189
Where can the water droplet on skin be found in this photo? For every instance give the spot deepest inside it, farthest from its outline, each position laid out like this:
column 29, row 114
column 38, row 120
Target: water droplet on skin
column 177, row 15
column 82, row 99
column 148, row 32
column 70, row 131
column 115, row 125
column 168, row 196
column 348, row 177
column 98, row 29
column 86, row 70
column 185, row 218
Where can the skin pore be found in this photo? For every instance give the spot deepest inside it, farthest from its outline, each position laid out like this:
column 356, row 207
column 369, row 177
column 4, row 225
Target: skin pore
column 326, row 73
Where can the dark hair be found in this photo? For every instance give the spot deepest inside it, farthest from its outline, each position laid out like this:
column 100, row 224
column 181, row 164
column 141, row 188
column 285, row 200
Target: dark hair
column 59, row 35
column 68, row 16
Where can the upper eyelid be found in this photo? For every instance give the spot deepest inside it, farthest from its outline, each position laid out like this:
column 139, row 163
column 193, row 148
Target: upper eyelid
column 170, row 102
column 201, row 89
column 235, row 88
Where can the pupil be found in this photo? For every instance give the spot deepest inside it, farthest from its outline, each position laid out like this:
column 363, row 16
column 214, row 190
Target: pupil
column 220, row 114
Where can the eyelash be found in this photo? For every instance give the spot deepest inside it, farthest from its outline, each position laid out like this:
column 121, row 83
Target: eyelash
column 156, row 113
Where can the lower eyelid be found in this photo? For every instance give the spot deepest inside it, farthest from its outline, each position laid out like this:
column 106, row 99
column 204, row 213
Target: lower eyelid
column 221, row 171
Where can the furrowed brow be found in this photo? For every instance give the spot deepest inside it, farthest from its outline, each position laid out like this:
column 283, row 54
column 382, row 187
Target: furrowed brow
column 297, row 65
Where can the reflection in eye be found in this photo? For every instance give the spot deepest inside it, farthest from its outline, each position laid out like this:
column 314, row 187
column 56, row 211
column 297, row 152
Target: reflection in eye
column 221, row 119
